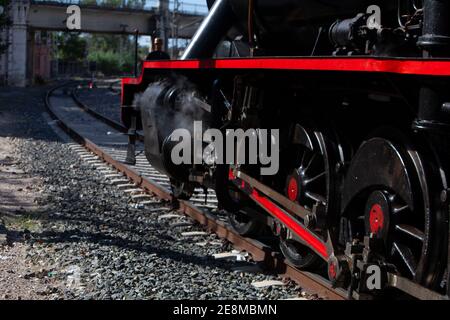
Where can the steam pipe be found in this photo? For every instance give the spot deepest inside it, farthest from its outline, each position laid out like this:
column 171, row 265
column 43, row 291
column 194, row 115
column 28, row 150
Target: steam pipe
column 215, row 26
column 435, row 42
column 435, row 39
column 251, row 34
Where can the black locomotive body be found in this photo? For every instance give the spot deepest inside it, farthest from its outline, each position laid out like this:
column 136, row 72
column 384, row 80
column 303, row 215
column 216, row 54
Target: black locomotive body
column 359, row 93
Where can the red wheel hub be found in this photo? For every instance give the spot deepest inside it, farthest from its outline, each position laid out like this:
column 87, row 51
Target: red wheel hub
column 292, row 189
column 376, row 218
column 231, row 174
column 332, row 271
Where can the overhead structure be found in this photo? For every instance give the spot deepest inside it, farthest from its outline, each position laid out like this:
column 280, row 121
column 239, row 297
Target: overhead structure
column 29, row 16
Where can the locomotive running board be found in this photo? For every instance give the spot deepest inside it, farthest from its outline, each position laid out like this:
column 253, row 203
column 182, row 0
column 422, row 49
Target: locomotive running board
column 414, row 67
column 418, row 66
column 281, row 210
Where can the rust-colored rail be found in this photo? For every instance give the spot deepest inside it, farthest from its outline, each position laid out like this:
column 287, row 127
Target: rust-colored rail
column 259, row 251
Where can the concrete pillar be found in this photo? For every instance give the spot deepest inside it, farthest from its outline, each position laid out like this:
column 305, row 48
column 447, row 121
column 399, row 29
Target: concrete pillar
column 17, row 50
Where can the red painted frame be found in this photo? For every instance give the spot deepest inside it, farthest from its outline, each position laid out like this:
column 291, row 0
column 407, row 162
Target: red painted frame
column 422, row 67
column 308, row 236
column 427, row 67
column 419, row 67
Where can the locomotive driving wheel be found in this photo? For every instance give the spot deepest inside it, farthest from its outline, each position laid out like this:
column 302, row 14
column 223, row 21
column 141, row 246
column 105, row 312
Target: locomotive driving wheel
column 401, row 229
column 237, row 205
column 399, row 208
column 311, row 183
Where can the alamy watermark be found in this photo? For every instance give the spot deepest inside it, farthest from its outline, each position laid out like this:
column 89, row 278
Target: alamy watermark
column 73, row 21
column 373, row 281
column 253, row 146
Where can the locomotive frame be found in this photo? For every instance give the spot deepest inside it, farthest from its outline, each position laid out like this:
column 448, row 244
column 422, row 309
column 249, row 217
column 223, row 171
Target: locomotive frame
column 418, row 83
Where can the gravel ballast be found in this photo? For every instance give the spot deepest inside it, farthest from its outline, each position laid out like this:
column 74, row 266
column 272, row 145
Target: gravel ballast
column 102, row 100
column 94, row 243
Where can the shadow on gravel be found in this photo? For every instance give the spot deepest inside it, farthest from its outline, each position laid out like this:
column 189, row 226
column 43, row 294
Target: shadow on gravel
column 23, row 115
column 75, row 236
column 21, row 107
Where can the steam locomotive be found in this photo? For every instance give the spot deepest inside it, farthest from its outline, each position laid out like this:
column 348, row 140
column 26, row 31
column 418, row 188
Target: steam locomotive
column 359, row 93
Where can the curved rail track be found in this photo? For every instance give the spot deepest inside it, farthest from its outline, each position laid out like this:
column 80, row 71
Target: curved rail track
column 105, row 138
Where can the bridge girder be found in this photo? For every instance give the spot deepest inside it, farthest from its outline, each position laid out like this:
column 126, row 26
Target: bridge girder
column 52, row 16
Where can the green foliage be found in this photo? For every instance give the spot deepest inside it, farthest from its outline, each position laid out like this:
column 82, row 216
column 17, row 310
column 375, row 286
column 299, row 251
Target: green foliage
column 143, row 52
column 4, row 3
column 112, row 63
column 103, row 42
column 71, row 46
column 114, row 54
column 138, row 4
column 88, row 2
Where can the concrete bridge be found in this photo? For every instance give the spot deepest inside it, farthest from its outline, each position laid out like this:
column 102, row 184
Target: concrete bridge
column 31, row 15
column 51, row 15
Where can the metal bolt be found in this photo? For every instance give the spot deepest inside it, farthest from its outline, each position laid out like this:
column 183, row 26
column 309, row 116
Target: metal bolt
column 446, row 107
column 444, row 196
column 310, row 221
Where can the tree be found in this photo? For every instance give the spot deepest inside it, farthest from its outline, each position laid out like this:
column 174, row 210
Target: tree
column 71, row 46
column 89, row 2
column 135, row 4
column 4, row 22
column 114, row 54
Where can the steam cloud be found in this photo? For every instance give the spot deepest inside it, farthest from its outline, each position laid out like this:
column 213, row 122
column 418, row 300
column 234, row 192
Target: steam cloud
column 186, row 109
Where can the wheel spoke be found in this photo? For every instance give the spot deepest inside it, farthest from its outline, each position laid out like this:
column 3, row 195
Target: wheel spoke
column 315, row 178
column 316, row 197
column 407, row 257
column 303, row 160
column 309, row 163
column 398, row 209
column 392, row 198
column 411, row 231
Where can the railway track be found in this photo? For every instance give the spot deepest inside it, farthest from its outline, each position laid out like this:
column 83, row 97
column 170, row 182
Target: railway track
column 105, row 138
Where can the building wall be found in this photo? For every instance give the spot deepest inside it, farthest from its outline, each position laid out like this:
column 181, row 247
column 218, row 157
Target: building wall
column 29, row 53
column 42, row 55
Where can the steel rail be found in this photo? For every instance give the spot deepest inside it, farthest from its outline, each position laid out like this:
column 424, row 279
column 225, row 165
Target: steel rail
column 310, row 282
column 112, row 123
